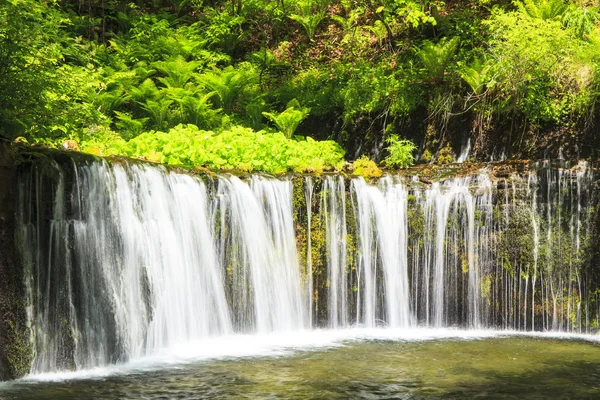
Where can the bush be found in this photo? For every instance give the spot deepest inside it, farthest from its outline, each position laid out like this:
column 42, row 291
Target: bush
column 539, row 68
column 400, row 152
column 366, row 168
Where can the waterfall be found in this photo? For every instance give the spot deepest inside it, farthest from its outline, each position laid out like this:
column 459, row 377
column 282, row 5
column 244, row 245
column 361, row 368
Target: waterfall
column 123, row 260
column 383, row 233
column 136, row 265
column 334, row 215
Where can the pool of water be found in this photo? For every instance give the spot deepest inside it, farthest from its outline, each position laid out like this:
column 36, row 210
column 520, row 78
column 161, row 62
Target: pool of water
column 325, row 365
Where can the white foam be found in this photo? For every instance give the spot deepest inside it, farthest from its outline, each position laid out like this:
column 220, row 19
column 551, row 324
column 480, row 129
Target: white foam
column 281, row 344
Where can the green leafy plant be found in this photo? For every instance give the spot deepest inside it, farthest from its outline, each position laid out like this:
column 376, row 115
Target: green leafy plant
column 539, row 68
column 436, row 57
column 581, row 20
column 365, row 167
column 400, row 152
column 198, row 111
column 223, row 31
column 544, row 9
column 288, row 120
column 229, row 83
column 159, row 112
column 254, row 111
column 235, row 148
column 178, row 72
column 310, row 22
column 476, row 75
column 350, row 21
column 147, row 90
column 379, row 30
column 128, row 126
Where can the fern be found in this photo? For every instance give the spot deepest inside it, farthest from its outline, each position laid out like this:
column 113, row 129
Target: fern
column 178, row 72
column 199, row 111
column 349, row 22
column 400, row 152
column 144, row 92
column 581, row 20
column 543, row 9
column 228, row 84
column 254, row 111
column 436, row 57
column 128, row 126
column 110, row 100
column 159, row 112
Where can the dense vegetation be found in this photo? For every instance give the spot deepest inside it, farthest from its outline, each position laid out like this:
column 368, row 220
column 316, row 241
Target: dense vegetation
column 250, row 83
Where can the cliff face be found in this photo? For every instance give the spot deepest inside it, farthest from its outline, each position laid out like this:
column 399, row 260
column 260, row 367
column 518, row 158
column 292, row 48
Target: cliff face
column 15, row 351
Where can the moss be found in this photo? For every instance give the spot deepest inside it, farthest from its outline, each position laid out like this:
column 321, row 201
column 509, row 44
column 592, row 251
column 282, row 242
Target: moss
column 426, row 156
column 19, row 351
column 319, row 258
column 15, row 343
column 485, row 284
column 464, row 262
column 446, row 155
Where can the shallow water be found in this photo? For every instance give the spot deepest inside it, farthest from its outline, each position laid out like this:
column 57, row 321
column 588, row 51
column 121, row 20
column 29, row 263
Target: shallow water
column 326, row 365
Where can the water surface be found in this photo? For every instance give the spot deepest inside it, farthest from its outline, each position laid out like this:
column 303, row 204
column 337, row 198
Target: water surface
column 448, row 366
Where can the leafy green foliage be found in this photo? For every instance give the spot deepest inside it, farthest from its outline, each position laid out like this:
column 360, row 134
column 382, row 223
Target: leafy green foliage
column 378, row 88
column 581, row 20
column 379, row 30
column 476, row 75
column 235, row 148
column 539, row 67
column 177, row 71
column 437, row 57
column 365, row 167
column 544, row 9
column 400, row 152
column 288, row 120
column 105, row 73
column 310, row 22
column 40, row 95
column 229, row 83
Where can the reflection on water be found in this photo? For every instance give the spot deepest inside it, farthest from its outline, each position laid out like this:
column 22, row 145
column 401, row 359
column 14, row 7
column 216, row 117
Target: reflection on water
column 500, row 367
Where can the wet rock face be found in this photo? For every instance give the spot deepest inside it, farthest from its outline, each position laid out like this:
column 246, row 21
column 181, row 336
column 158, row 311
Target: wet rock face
column 14, row 349
column 6, row 258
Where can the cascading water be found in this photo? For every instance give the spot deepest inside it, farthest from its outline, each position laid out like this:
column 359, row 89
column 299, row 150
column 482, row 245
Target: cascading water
column 136, row 265
column 123, row 260
column 383, row 232
column 334, row 216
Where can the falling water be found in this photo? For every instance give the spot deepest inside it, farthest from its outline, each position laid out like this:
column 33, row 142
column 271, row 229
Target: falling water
column 308, row 196
column 136, row 265
column 124, row 260
column 334, row 215
column 383, row 234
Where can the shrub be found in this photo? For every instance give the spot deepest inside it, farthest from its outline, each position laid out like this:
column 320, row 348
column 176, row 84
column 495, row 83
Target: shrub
column 400, row 152
column 366, row 168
